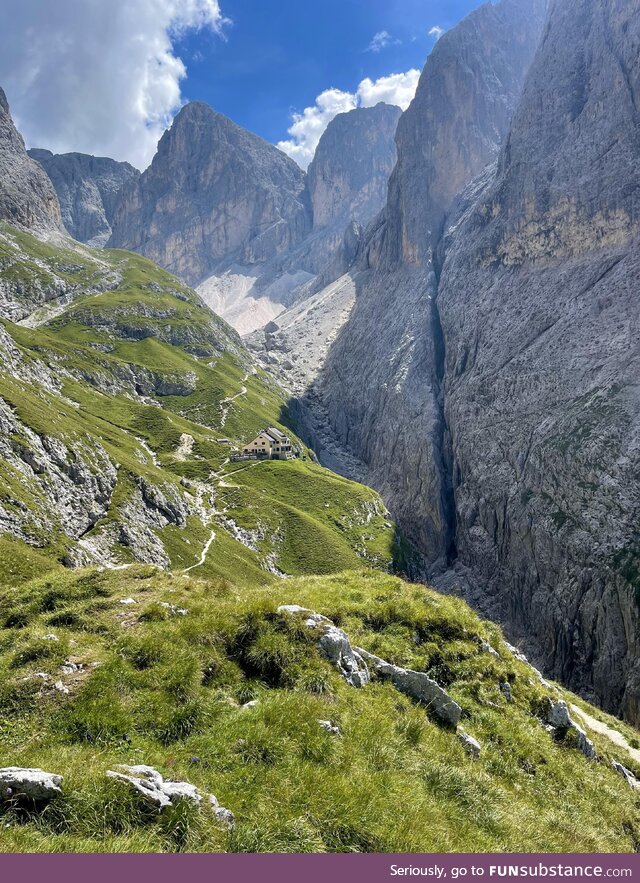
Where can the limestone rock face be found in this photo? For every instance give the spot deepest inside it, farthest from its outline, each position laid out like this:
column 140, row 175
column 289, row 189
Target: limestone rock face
column 539, row 308
column 468, row 91
column 215, row 195
column 27, row 197
column 88, row 188
column 488, row 375
column 348, row 177
column 235, row 216
column 381, row 384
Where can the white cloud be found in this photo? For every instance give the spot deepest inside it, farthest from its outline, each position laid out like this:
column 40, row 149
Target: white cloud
column 380, row 41
column 395, row 89
column 308, row 126
column 436, row 32
column 98, row 77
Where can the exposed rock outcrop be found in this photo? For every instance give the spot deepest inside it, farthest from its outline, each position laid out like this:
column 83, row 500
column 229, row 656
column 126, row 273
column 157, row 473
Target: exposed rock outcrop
column 626, row 774
column 17, row 783
column 88, row 188
column 381, row 384
column 214, row 196
column 351, row 662
column 69, row 486
column 333, row 643
column 558, row 717
column 27, row 197
column 418, row 686
column 160, row 793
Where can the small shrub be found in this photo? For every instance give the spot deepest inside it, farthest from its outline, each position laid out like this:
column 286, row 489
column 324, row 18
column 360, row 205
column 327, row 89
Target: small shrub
column 18, row 698
column 154, row 612
column 317, row 682
column 247, row 691
column 259, row 747
column 38, row 649
column 177, row 723
column 411, row 727
column 269, row 657
column 66, row 618
column 143, row 653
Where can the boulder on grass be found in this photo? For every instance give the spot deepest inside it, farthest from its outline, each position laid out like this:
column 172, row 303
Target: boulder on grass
column 470, row 745
column 626, row 774
column 557, row 716
column 33, row 784
column 333, row 643
column 159, row 794
column 418, row 686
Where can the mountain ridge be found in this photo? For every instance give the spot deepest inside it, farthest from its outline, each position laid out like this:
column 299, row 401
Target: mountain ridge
column 88, row 188
column 27, row 197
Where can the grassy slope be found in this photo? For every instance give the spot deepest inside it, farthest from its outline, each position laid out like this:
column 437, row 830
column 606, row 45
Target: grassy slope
column 166, row 690
column 146, row 334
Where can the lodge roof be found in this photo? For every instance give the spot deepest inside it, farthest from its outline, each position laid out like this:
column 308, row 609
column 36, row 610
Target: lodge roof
column 275, row 434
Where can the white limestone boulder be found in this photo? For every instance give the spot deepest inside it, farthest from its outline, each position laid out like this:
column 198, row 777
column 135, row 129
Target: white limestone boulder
column 34, row 784
column 470, row 745
column 333, row 643
column 418, row 686
column 158, row 793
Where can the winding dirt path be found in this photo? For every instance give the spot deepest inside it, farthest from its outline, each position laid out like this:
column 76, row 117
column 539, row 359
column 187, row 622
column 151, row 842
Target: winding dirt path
column 611, row 734
column 226, row 403
column 203, row 556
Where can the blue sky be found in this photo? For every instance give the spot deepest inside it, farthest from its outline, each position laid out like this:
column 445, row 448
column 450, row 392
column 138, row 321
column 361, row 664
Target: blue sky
column 106, row 77
column 280, row 54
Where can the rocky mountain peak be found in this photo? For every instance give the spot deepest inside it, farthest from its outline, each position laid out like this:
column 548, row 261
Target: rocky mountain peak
column 466, row 97
column 213, row 196
column 348, row 177
column 88, row 189
column 27, row 197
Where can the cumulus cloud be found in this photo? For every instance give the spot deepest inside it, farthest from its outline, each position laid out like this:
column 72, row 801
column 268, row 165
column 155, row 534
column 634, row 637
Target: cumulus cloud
column 380, row 41
column 308, row 126
column 395, row 89
column 98, row 77
column 436, row 32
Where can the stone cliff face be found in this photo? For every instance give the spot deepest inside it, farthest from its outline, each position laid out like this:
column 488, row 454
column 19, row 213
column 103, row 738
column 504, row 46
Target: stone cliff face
column 27, row 197
column 381, row 385
column 214, row 196
column 88, row 188
column 539, row 306
column 468, row 91
column 348, row 176
column 347, row 184
column 227, row 211
column 488, row 376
